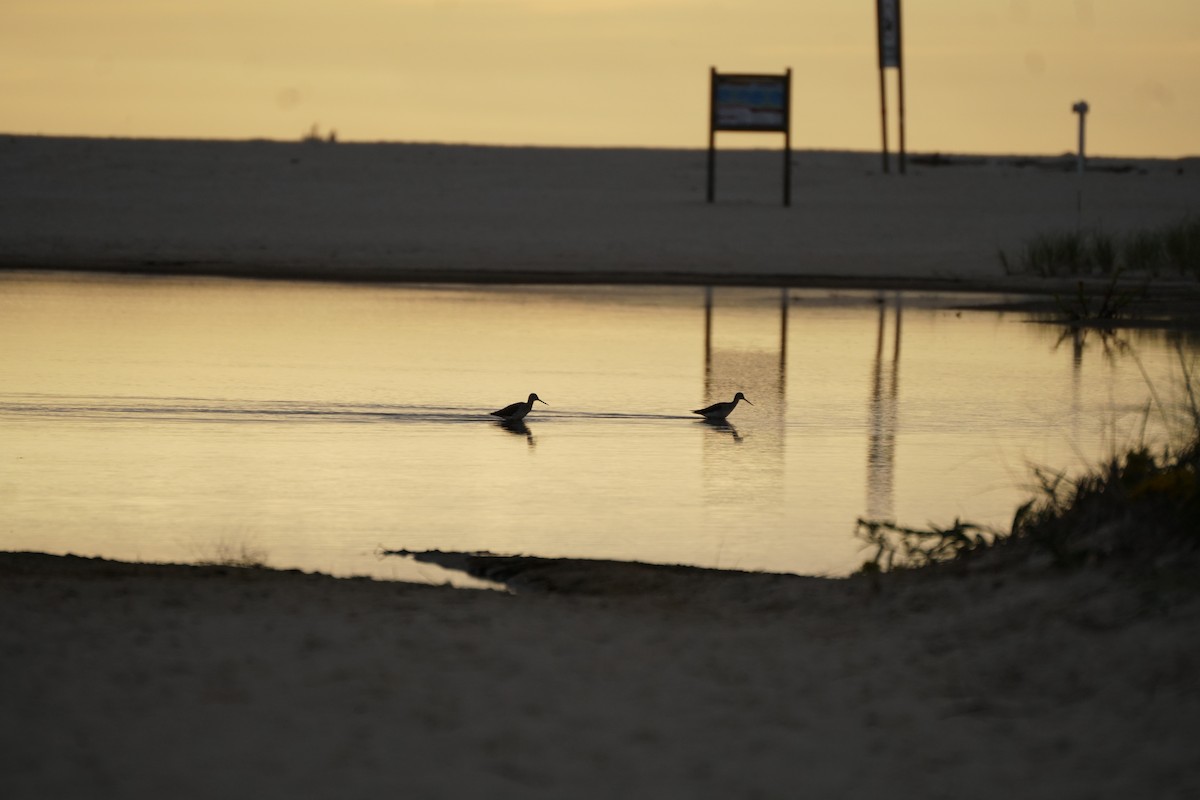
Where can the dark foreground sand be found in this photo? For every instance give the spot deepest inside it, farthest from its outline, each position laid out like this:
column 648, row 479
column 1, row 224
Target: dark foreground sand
column 594, row 680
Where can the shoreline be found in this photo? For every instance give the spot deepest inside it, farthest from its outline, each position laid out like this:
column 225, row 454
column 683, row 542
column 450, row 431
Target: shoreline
column 585, row 277
column 1161, row 304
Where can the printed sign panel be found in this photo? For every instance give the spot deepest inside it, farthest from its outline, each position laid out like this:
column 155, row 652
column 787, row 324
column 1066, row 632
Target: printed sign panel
column 889, row 33
column 750, row 103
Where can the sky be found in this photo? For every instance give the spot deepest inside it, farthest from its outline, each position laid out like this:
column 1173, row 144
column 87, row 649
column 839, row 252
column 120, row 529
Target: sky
column 980, row 76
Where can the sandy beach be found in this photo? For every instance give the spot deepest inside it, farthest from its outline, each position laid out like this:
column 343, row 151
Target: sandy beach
column 441, row 212
column 582, row 679
column 594, row 680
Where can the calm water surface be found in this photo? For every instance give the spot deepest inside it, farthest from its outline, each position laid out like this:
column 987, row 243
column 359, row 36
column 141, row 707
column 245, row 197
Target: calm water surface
column 171, row 419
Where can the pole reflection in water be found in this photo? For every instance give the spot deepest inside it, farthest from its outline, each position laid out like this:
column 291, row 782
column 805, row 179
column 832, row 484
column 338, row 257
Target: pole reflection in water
column 783, row 336
column 1111, row 345
column 882, row 419
column 741, row 354
column 1077, row 341
column 1078, row 337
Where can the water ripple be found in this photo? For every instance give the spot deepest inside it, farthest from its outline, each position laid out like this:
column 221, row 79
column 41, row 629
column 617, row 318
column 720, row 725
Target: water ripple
column 30, row 406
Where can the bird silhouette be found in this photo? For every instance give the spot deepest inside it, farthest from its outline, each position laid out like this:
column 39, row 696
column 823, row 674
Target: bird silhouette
column 721, row 410
column 517, row 411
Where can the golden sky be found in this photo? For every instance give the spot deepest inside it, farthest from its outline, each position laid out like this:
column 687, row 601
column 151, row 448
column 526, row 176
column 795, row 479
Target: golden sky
column 995, row 76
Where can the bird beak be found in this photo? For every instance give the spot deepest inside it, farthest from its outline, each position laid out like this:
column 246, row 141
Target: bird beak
column 543, row 402
column 748, row 401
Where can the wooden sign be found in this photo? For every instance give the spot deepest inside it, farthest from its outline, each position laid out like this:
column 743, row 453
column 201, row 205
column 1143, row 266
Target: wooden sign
column 753, row 103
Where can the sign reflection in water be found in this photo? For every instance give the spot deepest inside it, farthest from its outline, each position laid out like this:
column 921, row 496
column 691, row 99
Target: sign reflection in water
column 165, row 419
column 742, row 353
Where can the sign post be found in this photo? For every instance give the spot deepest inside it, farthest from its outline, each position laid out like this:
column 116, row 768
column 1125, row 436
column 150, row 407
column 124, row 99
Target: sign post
column 756, row 103
column 1081, row 108
column 891, row 56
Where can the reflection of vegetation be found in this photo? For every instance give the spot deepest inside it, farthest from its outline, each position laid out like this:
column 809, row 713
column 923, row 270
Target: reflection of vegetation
column 1108, row 305
column 1141, row 507
column 1112, row 344
column 1120, row 337
column 1174, row 247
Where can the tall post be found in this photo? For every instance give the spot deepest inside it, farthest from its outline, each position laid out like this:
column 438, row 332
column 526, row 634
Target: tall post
column 883, row 85
column 1081, row 108
column 712, row 133
column 887, row 22
column 900, row 79
column 787, row 138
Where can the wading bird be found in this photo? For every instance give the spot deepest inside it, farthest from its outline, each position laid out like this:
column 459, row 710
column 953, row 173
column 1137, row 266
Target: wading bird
column 518, row 410
column 721, row 410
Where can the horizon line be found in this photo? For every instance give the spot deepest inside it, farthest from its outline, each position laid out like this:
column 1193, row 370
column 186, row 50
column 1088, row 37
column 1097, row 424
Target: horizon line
column 700, row 148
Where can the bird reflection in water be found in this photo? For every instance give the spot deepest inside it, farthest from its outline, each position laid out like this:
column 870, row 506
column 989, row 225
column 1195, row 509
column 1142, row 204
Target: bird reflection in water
column 722, row 424
column 518, row 428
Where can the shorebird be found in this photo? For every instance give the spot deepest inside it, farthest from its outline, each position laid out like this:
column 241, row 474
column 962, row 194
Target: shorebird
column 517, row 411
column 721, row 410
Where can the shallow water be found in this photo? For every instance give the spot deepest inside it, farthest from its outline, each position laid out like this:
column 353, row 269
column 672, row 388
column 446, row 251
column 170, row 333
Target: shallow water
column 314, row 425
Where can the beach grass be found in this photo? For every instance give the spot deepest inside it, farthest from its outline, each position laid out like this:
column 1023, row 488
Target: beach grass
column 1181, row 245
column 1171, row 248
column 227, row 552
